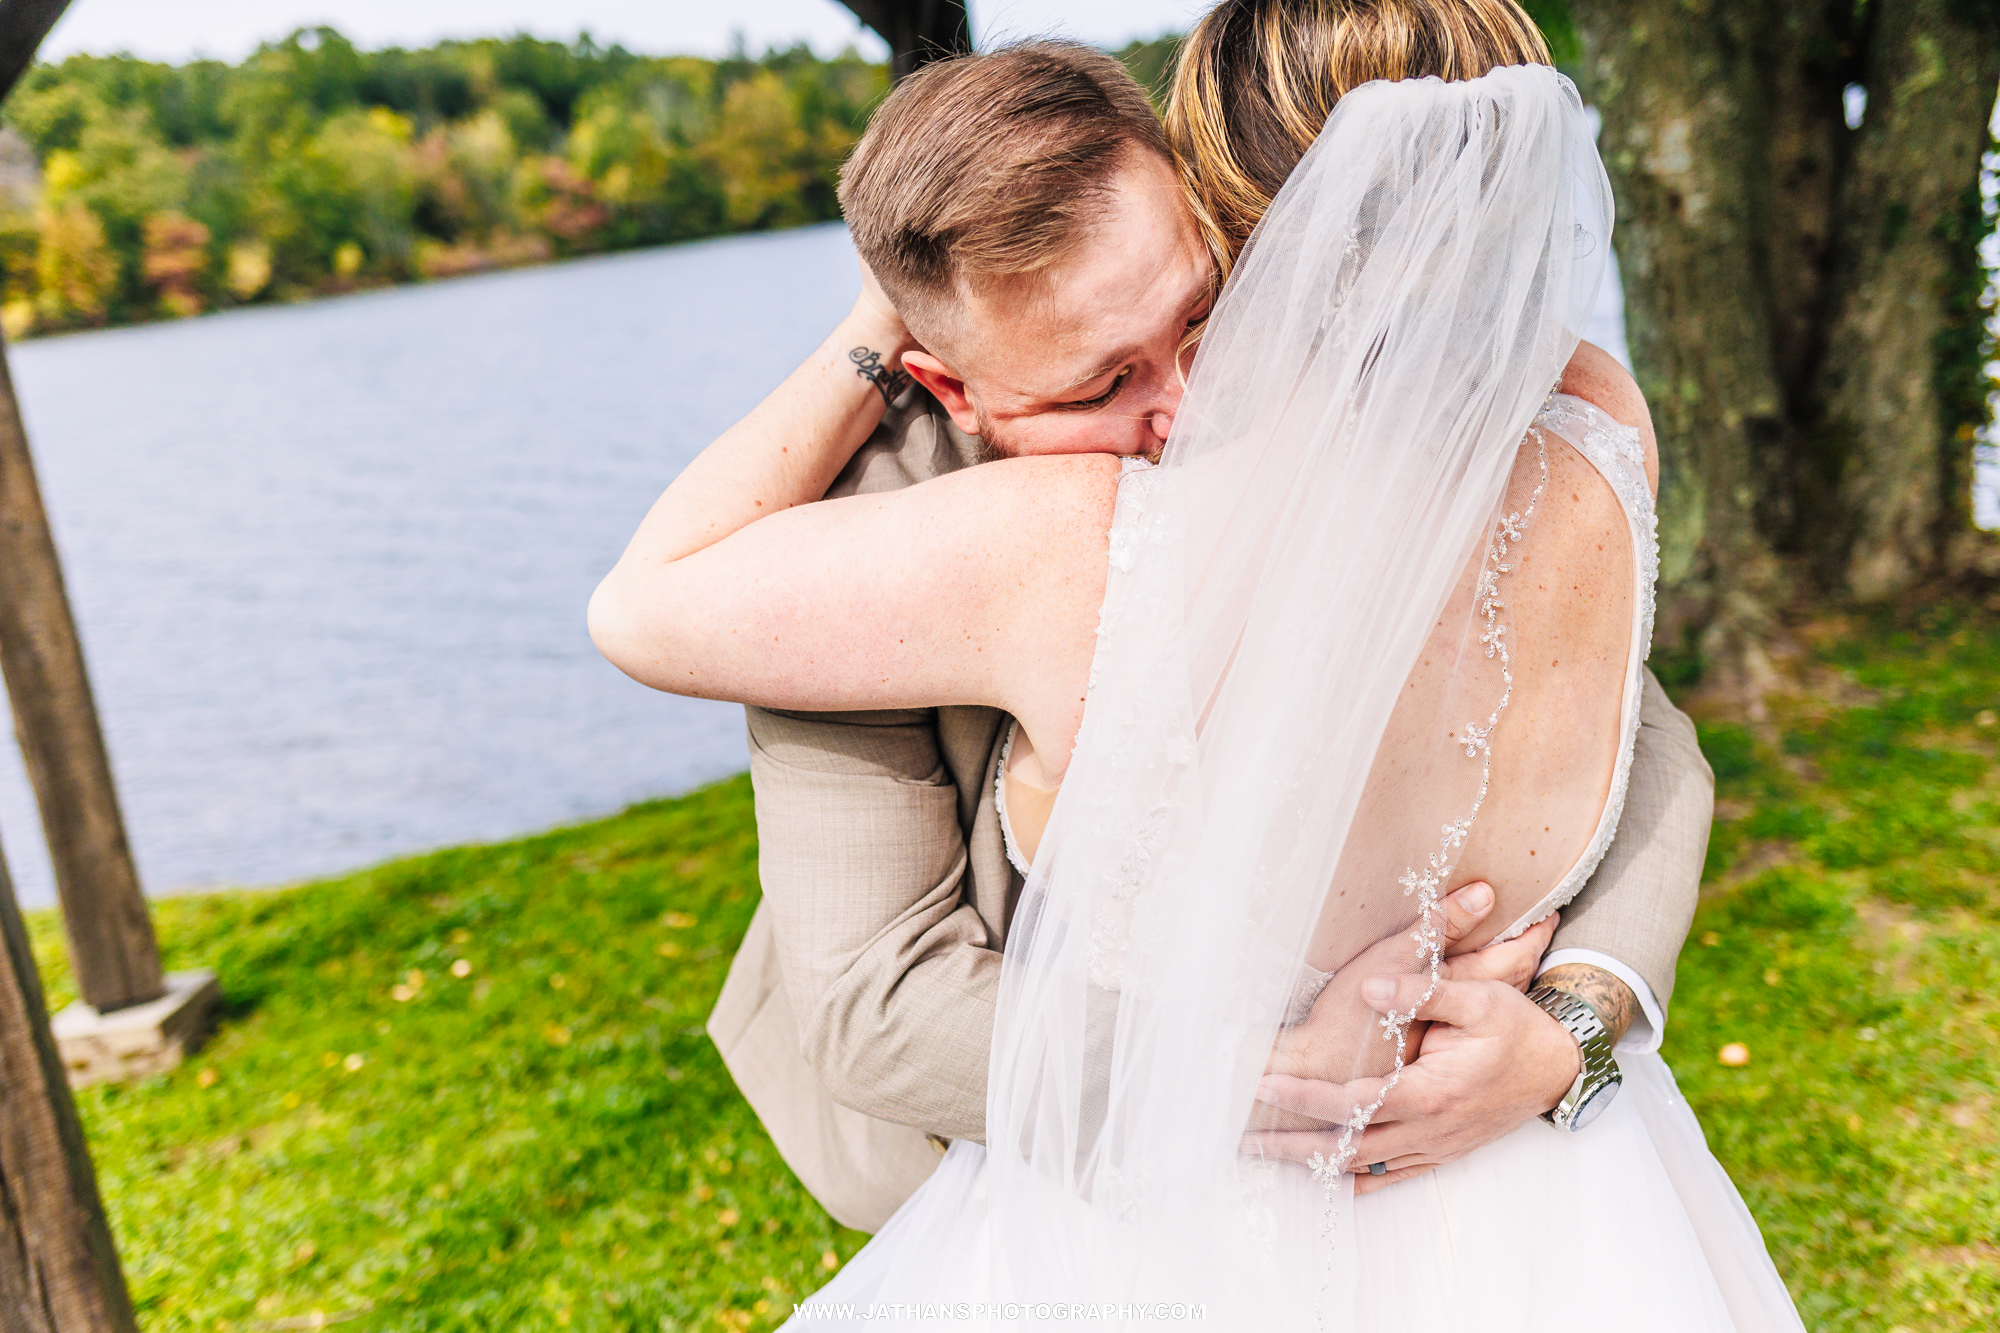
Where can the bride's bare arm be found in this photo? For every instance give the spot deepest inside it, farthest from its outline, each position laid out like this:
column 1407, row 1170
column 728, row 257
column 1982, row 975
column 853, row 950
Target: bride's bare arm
column 979, row 587
column 789, row 449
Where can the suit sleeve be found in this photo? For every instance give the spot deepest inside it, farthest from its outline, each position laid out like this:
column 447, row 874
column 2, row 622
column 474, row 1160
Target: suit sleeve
column 1637, row 908
column 891, row 972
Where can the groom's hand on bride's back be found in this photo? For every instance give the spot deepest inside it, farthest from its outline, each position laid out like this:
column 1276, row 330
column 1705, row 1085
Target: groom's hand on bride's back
column 1485, row 1058
column 1489, row 1060
column 1342, row 1022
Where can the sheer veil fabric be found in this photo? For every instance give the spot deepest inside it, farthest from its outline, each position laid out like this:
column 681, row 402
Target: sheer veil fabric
column 1353, row 416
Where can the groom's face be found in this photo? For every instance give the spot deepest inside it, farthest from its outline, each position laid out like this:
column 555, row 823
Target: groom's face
column 1089, row 357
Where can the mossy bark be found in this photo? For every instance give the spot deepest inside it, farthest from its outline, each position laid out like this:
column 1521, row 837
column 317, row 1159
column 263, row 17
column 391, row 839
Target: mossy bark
column 1681, row 104
column 1803, row 298
column 1900, row 445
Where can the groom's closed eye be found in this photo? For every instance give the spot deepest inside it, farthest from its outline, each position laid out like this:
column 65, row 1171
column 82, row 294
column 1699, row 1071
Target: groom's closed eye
column 1118, row 382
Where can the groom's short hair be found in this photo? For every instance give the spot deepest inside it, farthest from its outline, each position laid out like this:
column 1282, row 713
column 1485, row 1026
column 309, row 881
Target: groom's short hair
column 990, row 167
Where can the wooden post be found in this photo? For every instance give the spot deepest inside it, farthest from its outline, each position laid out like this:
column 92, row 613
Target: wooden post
column 58, row 1267
column 112, row 948
column 918, row 31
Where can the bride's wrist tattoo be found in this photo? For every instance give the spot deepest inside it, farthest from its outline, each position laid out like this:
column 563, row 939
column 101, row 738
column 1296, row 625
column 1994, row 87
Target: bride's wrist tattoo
column 868, row 365
column 1611, row 998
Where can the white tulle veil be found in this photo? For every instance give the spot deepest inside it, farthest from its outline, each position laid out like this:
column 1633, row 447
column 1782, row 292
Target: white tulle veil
column 1351, row 422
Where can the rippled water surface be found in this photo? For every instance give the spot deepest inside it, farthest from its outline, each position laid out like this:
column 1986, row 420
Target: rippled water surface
column 330, row 561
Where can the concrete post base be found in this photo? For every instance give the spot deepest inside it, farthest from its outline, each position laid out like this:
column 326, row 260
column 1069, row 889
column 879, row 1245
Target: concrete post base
column 143, row 1039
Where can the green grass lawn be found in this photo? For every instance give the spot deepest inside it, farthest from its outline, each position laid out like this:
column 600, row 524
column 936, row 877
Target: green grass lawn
column 546, row 1141
column 471, row 1090
column 1850, row 938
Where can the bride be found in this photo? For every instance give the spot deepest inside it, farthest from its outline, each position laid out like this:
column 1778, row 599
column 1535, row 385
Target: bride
column 1375, row 616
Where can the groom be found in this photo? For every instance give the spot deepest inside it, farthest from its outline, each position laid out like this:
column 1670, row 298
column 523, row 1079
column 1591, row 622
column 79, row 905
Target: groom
column 858, row 1013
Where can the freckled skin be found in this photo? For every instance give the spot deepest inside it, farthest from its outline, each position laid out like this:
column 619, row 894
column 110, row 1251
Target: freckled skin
column 1556, row 747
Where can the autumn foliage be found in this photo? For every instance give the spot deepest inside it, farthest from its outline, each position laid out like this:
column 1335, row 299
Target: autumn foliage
column 132, row 190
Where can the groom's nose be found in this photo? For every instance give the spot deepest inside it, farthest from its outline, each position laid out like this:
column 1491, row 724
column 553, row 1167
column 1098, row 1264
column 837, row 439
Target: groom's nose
column 1165, row 404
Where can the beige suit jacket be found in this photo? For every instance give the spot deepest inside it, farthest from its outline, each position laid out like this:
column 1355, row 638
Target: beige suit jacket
column 859, row 1011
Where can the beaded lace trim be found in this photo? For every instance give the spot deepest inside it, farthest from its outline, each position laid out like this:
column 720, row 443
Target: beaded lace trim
column 1014, row 857
column 1122, row 553
column 1428, row 883
column 1619, row 454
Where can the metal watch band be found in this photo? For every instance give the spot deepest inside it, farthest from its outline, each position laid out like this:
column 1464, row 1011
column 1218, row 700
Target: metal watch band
column 1598, row 1080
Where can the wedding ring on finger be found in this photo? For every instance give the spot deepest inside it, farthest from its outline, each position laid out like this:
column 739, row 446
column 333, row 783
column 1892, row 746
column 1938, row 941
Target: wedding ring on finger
column 1378, row 1168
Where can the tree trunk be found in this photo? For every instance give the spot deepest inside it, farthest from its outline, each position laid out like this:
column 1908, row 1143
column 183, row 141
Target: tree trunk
column 23, row 25
column 918, row 31
column 1803, row 299
column 1676, row 86
column 112, row 947
column 1910, row 225
column 58, row 1267
column 1807, row 56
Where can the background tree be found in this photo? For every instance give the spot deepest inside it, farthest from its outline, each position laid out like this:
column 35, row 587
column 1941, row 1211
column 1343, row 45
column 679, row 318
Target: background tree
column 1800, row 217
column 131, row 190
column 918, row 31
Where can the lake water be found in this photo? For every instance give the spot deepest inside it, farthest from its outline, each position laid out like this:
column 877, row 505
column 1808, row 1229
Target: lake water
column 330, row 561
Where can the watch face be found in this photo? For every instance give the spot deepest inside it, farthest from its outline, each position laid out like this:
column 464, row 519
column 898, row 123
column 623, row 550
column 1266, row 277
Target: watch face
column 1593, row 1103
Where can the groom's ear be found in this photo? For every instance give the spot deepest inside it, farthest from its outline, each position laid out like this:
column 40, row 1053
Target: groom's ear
column 945, row 386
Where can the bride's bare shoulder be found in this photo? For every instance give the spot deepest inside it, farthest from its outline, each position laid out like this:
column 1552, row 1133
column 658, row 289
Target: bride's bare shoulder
column 1595, row 376
column 1016, row 520
column 1576, row 561
column 1042, row 491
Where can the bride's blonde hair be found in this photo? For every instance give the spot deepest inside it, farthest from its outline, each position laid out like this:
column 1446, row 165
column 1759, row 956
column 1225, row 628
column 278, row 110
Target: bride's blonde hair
column 1257, row 79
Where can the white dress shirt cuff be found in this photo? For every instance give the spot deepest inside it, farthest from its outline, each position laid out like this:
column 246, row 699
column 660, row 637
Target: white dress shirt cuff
column 1650, row 1026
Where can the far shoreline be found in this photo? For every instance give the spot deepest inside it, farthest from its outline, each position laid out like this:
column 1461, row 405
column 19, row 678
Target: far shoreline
column 383, row 289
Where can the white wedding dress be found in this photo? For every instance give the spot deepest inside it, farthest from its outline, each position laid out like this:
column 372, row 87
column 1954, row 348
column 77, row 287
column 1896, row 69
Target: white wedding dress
column 1355, row 413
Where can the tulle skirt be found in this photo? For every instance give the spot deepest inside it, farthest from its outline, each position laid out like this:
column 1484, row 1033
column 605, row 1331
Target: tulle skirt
column 1631, row 1224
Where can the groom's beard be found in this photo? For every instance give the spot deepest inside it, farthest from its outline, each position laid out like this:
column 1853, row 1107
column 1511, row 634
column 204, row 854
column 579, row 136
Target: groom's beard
column 992, row 446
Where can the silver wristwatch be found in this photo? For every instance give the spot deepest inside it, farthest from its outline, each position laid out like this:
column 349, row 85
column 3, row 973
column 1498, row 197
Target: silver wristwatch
column 1597, row 1082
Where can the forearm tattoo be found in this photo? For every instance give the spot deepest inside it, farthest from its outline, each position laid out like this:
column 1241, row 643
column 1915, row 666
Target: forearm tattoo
column 1613, row 999
column 868, row 365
